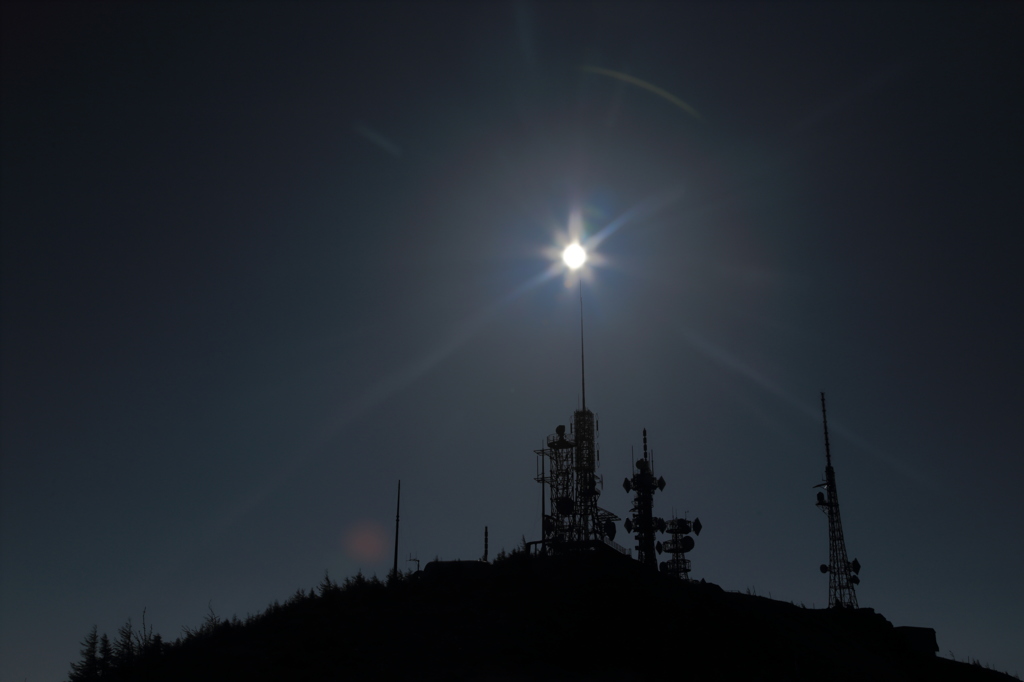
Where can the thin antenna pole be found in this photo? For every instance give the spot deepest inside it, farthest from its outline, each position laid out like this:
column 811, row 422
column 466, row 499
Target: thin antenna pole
column 398, row 508
column 543, row 493
column 583, row 364
column 824, row 420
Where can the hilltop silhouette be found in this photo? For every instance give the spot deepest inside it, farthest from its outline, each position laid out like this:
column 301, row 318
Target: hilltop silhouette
column 593, row 616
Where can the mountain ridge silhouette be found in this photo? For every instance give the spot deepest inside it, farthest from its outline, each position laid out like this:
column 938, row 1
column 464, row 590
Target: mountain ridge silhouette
column 591, row 616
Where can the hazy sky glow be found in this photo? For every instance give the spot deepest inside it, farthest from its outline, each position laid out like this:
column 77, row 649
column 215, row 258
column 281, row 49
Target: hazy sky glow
column 261, row 261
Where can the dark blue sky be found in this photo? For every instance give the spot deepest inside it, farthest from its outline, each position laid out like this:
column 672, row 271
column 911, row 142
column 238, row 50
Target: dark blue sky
column 261, row 261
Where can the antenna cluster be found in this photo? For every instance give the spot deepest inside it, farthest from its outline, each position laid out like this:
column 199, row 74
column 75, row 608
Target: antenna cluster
column 567, row 472
column 644, row 524
column 571, row 519
column 678, row 545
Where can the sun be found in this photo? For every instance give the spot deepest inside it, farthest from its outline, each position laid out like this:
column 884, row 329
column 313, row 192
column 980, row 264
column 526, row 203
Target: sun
column 574, row 256
column 572, row 253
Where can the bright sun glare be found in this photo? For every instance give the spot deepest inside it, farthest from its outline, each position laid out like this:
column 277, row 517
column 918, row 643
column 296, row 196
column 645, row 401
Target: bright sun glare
column 574, row 256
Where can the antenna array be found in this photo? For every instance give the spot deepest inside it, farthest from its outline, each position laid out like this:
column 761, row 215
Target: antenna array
column 644, row 523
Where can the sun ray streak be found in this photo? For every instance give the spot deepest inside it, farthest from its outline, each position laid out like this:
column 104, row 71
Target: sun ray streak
column 644, row 209
column 407, row 375
column 735, row 365
column 373, row 397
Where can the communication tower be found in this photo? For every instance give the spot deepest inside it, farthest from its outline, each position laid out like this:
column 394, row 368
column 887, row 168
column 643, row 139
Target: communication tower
column 567, row 469
column 644, row 523
column 842, row 573
column 678, row 545
column 574, row 521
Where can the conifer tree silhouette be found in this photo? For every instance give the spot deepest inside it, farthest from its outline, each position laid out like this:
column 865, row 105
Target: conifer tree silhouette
column 106, row 659
column 124, row 649
column 88, row 668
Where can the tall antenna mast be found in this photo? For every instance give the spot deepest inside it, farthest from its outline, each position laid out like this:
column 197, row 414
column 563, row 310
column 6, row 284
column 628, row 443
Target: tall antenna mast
column 824, row 423
column 842, row 573
column 398, row 508
column 583, row 364
column 573, row 521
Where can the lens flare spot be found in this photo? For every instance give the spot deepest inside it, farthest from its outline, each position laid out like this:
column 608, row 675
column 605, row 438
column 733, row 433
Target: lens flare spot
column 574, row 256
column 366, row 541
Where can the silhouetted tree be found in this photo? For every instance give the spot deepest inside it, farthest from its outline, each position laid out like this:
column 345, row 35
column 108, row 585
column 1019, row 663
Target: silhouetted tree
column 328, row 586
column 143, row 637
column 296, row 598
column 88, row 668
column 124, row 648
column 154, row 646
column 106, row 659
column 211, row 621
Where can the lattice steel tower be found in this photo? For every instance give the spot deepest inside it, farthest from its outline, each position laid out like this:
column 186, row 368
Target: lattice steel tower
column 842, row 573
column 575, row 521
